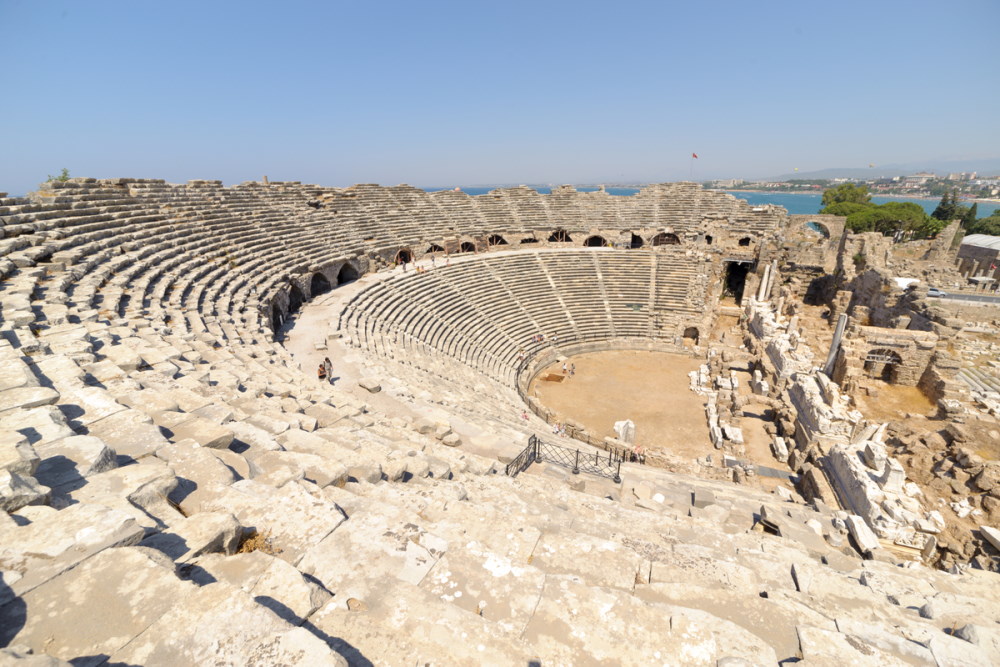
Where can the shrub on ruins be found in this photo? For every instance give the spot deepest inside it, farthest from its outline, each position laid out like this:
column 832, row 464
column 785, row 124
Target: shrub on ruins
column 62, row 177
column 890, row 218
column 847, row 192
column 989, row 225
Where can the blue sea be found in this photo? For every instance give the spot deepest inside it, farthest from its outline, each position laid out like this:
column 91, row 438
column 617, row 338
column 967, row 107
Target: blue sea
column 795, row 203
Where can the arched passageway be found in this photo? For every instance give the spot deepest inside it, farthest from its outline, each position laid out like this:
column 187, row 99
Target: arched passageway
column 295, row 299
column 666, row 238
column 560, row 236
column 636, row 241
column 735, row 280
column 745, row 241
column 595, row 242
column 434, row 247
column 823, row 230
column 530, row 239
column 691, row 334
column 404, row 256
column 496, row 239
column 881, row 363
column 467, row 246
column 318, row 285
column 347, row 274
column 276, row 317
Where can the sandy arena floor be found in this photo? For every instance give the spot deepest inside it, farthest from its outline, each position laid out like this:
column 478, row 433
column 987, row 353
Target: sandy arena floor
column 650, row 388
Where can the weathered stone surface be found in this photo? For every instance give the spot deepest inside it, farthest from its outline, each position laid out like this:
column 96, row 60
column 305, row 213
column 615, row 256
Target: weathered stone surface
column 202, row 631
column 140, row 490
column 600, row 562
column 50, row 542
column 110, row 609
column 370, row 548
column 37, row 424
column 131, row 433
column 16, row 455
column 27, row 397
column 653, row 633
column 122, row 356
column 199, row 472
column 69, row 461
column 22, row 656
column 319, row 470
column 17, row 491
column 181, row 425
column 293, row 520
column 208, row 532
column 265, row 576
column 370, row 385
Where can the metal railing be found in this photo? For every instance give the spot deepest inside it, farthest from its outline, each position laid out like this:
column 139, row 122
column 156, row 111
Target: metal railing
column 602, row 464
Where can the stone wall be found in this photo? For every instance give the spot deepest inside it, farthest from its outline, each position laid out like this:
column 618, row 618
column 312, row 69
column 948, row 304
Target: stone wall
column 910, row 351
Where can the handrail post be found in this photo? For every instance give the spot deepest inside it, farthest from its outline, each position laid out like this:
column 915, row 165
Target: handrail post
column 618, row 474
column 576, row 466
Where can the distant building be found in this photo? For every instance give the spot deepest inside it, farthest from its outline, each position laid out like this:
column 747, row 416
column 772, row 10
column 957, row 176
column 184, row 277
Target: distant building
column 977, row 256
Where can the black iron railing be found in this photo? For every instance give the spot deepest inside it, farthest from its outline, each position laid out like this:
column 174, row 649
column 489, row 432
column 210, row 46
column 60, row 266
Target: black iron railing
column 602, row 464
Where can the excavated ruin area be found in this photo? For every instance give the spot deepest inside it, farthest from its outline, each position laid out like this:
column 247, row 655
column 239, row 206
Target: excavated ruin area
column 650, row 388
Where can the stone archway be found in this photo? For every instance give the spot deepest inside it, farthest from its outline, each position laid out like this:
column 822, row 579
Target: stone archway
column 404, row 256
column 434, row 247
column 595, row 242
column 496, row 239
column 467, row 246
column 560, row 236
column 347, row 274
column 666, row 238
column 691, row 334
column 295, row 299
column 744, row 242
column 881, row 363
column 636, row 241
column 319, row 285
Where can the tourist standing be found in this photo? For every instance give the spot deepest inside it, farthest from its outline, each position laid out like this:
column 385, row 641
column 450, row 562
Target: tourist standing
column 328, row 367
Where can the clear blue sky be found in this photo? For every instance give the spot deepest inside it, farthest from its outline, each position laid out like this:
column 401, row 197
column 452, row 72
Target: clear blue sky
column 465, row 93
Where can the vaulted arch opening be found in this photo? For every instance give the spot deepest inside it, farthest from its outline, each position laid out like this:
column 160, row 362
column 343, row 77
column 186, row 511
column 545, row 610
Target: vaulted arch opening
column 636, row 241
column 745, row 241
column 530, row 239
column 665, row 238
column 881, row 363
column 595, row 242
column 560, row 236
column 295, row 299
column 318, row 285
column 467, row 246
column 496, row 239
column 434, row 247
column 347, row 274
column 404, row 256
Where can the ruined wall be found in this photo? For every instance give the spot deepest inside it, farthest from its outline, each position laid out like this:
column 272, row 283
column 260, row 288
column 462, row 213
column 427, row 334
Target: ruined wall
column 913, row 349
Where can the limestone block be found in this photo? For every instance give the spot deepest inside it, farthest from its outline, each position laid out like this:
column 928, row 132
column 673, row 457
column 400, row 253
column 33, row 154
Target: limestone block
column 198, row 473
column 16, row 455
column 37, row 424
column 992, row 535
column 821, row 646
column 293, row 519
column 201, row 630
column 208, row 532
column 139, row 490
column 50, row 542
column 268, row 423
column 149, row 401
column 122, row 356
column 326, row 415
column 319, row 470
column 363, row 553
column 17, row 491
column 862, row 534
column 131, row 433
column 607, row 620
column 14, row 373
column 265, row 576
column 110, row 609
column 27, row 397
column 370, row 385
column 70, row 461
column 22, row 656
column 451, row 440
column 179, row 426
column 297, row 440
column 599, row 562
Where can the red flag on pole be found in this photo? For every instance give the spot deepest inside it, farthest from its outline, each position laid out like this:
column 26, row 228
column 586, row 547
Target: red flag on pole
column 694, row 155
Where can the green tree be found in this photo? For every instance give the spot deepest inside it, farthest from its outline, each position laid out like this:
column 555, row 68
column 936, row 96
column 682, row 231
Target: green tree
column 948, row 207
column 989, row 225
column 844, row 208
column 847, row 192
column 62, row 177
column 970, row 215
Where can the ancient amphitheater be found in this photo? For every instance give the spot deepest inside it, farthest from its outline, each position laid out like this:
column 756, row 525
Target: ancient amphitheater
column 180, row 488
